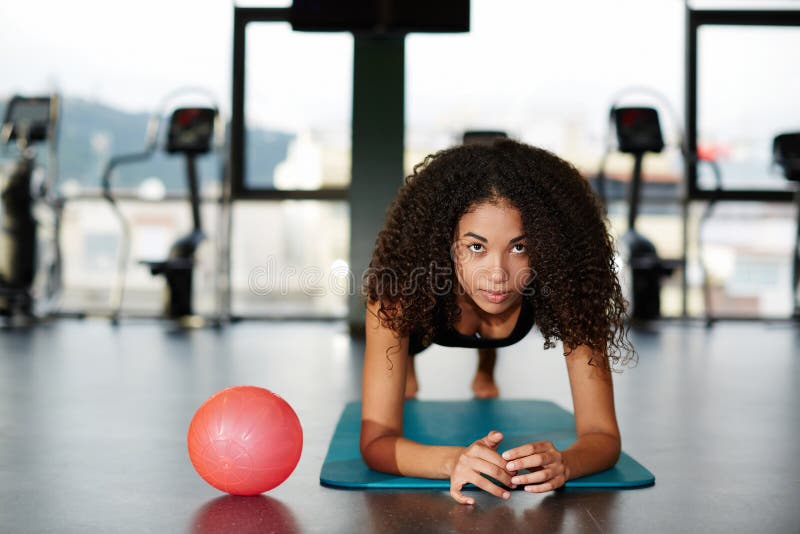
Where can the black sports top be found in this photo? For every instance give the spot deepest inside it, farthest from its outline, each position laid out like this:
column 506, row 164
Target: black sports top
column 450, row 337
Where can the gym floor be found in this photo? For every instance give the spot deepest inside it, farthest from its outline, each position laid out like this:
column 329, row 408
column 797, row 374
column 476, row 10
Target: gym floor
column 93, row 422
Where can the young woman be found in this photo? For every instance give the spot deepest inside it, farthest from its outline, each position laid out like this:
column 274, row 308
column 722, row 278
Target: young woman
column 481, row 243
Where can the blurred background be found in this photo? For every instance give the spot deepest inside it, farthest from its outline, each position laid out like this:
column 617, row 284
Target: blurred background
column 546, row 73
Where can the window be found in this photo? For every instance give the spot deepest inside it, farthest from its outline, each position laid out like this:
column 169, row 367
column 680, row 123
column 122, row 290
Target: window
column 297, row 108
column 747, row 94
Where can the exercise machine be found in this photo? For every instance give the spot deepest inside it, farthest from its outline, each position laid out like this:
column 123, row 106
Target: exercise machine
column 191, row 132
column 24, row 258
column 638, row 132
column 786, row 154
column 482, row 137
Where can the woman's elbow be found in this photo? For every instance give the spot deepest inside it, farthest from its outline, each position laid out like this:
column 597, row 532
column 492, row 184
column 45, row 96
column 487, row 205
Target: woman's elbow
column 378, row 454
column 372, row 460
column 615, row 450
column 367, row 454
column 608, row 448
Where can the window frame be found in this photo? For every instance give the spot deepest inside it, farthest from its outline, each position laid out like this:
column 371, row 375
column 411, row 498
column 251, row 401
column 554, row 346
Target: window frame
column 243, row 16
column 720, row 17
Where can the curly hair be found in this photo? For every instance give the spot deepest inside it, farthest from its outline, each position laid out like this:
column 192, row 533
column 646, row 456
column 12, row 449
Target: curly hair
column 575, row 289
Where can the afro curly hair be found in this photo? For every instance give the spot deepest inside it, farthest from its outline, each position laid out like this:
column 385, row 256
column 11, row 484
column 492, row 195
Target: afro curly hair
column 575, row 289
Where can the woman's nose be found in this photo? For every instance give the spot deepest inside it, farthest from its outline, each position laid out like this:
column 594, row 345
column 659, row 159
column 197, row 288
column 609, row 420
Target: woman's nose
column 498, row 273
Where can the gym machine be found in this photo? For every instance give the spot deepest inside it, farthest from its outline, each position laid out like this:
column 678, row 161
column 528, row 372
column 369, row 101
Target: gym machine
column 30, row 265
column 191, row 133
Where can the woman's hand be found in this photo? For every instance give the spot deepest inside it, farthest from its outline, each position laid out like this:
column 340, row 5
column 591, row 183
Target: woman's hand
column 551, row 471
column 481, row 458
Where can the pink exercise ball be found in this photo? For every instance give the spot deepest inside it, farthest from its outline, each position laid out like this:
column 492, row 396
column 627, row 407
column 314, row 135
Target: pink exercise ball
column 245, row 440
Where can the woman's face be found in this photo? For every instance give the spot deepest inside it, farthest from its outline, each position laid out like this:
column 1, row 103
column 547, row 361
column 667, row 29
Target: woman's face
column 491, row 256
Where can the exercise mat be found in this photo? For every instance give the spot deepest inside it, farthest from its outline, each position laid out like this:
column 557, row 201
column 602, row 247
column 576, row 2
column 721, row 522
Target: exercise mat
column 461, row 423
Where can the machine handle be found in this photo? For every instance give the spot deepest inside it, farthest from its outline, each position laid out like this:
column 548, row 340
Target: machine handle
column 151, row 142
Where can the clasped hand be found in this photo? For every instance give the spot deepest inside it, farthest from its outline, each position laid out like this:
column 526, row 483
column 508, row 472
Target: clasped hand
column 546, row 463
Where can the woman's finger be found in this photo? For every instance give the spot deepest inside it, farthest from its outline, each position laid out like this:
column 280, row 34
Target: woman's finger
column 487, row 468
column 518, row 452
column 527, row 462
column 532, row 478
column 550, row 485
column 487, row 486
column 488, row 455
column 492, row 439
column 455, row 492
column 528, row 449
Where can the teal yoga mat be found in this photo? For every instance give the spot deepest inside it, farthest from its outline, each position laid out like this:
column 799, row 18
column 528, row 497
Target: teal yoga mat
column 462, row 422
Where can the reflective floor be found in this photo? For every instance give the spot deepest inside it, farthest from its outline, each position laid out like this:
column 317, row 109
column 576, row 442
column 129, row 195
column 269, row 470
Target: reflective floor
column 93, row 422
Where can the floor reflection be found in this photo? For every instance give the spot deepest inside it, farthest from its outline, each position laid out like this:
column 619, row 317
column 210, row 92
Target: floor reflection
column 244, row 515
column 567, row 510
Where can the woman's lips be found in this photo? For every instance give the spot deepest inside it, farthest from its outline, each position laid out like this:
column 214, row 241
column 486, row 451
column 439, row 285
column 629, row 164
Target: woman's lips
column 495, row 296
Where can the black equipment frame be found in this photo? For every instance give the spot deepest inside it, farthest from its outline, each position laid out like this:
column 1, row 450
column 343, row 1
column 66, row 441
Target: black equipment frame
column 242, row 16
column 695, row 19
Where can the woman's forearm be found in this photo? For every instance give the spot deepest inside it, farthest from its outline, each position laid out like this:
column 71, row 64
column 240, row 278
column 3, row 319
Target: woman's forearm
column 591, row 453
column 401, row 456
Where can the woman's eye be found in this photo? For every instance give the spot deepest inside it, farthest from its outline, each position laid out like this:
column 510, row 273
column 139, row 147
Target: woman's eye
column 477, row 247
